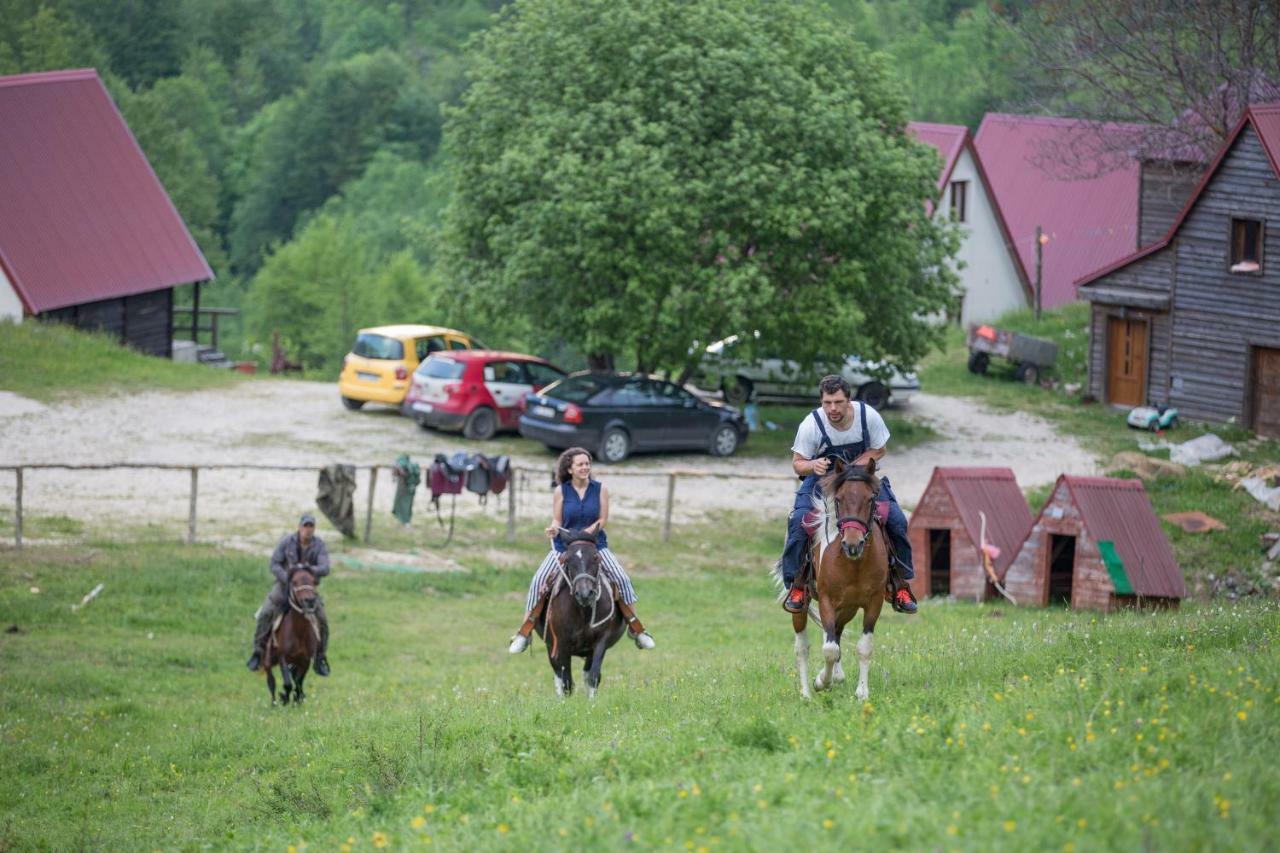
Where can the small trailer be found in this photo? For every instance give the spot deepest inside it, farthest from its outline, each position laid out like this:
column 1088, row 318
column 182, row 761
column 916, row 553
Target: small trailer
column 1030, row 356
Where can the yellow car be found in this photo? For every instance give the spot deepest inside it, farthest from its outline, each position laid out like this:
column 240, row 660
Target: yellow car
column 381, row 363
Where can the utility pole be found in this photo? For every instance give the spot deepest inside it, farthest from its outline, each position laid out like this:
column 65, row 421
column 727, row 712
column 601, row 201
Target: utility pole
column 1040, row 241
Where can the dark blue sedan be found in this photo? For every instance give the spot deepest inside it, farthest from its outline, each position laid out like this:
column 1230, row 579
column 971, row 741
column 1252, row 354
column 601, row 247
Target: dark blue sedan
column 616, row 414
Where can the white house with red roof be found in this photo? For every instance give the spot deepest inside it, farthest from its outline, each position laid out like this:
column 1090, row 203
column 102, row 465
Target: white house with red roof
column 88, row 235
column 991, row 278
column 1193, row 320
column 1051, row 173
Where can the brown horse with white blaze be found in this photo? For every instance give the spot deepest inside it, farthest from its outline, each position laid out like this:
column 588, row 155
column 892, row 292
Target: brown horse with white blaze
column 294, row 640
column 848, row 578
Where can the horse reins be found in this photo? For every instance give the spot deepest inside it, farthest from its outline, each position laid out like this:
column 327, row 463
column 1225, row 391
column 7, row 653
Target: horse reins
column 600, row 588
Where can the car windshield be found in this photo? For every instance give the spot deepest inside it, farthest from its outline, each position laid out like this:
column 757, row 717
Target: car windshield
column 575, row 389
column 441, row 368
column 378, row 346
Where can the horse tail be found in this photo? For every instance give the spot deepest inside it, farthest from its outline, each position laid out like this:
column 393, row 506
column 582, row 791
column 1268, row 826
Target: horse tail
column 778, row 581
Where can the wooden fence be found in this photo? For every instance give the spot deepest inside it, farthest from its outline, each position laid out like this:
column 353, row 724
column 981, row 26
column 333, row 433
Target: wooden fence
column 516, row 477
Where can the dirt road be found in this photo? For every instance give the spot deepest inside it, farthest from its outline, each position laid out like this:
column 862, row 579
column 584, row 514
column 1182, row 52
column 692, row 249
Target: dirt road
column 287, row 422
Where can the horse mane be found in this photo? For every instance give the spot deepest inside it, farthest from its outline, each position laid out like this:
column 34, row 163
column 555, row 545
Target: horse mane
column 572, row 537
column 837, row 477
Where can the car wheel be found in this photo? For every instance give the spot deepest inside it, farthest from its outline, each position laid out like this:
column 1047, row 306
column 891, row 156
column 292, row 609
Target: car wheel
column 480, row 425
column 353, row 405
column 421, row 422
column 615, row 445
column 978, row 362
column 724, row 441
column 874, row 395
column 1027, row 373
column 737, row 390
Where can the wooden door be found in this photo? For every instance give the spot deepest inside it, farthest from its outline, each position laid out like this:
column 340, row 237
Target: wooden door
column 1266, row 392
column 1126, row 361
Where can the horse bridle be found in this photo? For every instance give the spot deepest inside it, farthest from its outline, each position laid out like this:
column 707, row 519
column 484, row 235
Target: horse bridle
column 602, row 582
column 293, row 599
column 844, row 522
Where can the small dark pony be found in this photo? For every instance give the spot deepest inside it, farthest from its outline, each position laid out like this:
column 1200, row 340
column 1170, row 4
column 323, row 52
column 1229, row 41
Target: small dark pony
column 849, row 578
column 581, row 619
column 294, row 639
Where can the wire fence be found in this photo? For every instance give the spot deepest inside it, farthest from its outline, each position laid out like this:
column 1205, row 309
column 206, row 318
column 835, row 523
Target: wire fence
column 521, row 483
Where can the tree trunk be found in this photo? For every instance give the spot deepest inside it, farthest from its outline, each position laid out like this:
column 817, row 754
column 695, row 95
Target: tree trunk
column 600, row 361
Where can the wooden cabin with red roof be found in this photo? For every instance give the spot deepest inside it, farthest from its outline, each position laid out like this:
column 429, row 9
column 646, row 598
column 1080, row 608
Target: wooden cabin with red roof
column 88, row 236
column 1193, row 320
column 992, row 280
column 946, row 531
column 1097, row 544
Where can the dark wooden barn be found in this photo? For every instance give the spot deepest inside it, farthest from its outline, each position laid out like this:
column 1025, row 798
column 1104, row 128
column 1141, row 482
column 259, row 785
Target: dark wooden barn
column 1096, row 544
column 88, row 236
column 946, row 529
column 1193, row 320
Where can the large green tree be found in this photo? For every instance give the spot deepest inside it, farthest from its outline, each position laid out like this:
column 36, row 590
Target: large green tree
column 646, row 177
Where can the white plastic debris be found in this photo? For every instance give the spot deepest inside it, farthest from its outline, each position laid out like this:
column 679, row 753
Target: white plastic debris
column 93, row 593
column 1206, row 448
column 1258, row 487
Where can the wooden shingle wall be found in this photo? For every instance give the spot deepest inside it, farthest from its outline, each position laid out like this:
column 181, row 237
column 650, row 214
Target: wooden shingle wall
column 1219, row 315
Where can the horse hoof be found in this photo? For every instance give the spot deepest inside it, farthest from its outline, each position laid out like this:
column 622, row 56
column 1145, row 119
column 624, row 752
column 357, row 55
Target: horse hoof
column 837, row 675
column 818, row 684
column 862, row 694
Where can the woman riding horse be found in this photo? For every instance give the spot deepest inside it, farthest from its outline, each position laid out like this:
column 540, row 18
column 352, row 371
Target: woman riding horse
column 579, row 503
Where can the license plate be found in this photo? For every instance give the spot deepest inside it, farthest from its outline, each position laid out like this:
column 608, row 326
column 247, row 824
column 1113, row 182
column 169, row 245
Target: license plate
column 367, row 377
column 544, row 411
column 422, row 407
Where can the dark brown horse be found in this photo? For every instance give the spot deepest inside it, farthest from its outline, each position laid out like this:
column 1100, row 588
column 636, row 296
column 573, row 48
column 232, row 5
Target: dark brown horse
column 848, row 578
column 293, row 641
column 582, row 619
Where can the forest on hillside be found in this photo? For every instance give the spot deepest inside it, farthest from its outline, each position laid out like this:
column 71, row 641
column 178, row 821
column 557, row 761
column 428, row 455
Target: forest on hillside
column 303, row 140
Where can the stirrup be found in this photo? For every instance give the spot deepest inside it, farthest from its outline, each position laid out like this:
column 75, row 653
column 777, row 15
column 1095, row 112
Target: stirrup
column 789, row 603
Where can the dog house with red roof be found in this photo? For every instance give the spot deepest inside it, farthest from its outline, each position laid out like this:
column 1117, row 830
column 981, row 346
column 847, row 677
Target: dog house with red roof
column 947, row 525
column 1096, row 544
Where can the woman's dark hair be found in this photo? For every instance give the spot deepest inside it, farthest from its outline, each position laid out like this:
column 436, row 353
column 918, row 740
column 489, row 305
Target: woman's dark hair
column 565, row 462
column 833, row 384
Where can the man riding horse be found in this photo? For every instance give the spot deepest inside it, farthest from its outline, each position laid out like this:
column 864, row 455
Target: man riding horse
column 856, row 434
column 302, row 549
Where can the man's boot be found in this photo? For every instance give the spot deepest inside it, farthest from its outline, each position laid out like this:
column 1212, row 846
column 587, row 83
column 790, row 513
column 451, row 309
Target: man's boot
column 635, row 627
column 260, row 632
column 520, row 641
column 321, row 665
column 901, row 598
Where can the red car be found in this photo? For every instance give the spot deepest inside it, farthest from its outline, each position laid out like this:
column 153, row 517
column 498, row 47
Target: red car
column 477, row 391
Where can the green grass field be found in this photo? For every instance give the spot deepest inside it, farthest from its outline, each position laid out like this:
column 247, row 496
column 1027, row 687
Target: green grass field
column 49, row 361
column 132, row 724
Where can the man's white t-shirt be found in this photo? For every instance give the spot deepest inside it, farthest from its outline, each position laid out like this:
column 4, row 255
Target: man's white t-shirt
column 809, row 439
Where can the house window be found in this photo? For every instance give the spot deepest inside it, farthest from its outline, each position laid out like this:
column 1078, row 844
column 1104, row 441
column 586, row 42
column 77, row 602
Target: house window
column 1246, row 245
column 959, row 200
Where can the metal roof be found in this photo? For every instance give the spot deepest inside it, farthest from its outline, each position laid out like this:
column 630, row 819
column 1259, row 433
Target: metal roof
column 82, row 215
column 1090, row 218
column 947, row 139
column 995, row 492
column 1119, row 511
column 1265, row 120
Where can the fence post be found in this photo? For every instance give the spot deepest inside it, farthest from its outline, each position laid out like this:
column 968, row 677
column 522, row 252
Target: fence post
column 511, row 507
column 671, row 495
column 368, row 512
column 17, row 510
column 191, row 511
